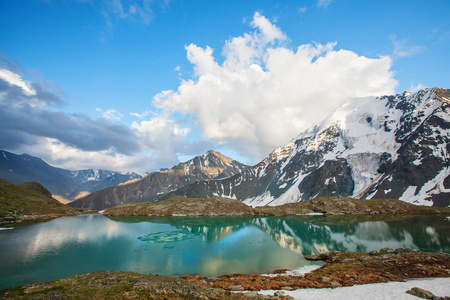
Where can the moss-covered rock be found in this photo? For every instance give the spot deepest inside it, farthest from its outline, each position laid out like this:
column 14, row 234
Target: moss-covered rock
column 118, row 285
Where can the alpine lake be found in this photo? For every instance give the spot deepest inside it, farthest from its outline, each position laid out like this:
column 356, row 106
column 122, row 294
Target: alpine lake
column 208, row 246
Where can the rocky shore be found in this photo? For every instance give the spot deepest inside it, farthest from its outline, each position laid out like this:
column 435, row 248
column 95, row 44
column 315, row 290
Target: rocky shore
column 217, row 206
column 341, row 269
column 18, row 216
column 181, row 206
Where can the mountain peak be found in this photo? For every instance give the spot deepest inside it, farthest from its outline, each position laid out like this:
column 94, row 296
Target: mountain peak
column 152, row 187
column 223, row 158
column 392, row 146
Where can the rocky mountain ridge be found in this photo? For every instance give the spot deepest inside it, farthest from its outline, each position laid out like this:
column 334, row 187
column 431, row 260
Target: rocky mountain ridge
column 62, row 183
column 211, row 165
column 376, row 147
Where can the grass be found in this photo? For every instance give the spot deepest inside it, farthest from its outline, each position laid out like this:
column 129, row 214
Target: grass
column 28, row 199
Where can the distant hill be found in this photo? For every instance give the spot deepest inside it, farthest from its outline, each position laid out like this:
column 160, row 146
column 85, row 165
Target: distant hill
column 61, row 183
column 211, row 165
column 28, row 201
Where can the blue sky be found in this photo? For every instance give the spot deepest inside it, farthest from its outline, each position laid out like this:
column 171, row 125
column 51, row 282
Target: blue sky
column 139, row 85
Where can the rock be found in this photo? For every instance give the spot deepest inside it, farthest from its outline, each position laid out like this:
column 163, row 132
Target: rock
column 251, row 294
column 280, row 271
column 279, row 293
column 236, row 288
column 421, row 293
column 312, row 257
column 287, row 288
column 335, row 284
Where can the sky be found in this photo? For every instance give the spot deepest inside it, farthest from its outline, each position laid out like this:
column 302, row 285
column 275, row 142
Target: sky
column 139, row 85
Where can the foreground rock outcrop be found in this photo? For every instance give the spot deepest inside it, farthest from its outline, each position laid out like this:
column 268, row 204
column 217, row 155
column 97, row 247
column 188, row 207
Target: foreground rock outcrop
column 341, row 269
column 117, row 285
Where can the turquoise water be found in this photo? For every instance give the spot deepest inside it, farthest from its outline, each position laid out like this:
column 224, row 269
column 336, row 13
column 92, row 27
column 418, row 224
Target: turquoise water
column 199, row 245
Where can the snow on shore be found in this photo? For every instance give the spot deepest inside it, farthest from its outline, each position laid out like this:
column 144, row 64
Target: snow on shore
column 383, row 291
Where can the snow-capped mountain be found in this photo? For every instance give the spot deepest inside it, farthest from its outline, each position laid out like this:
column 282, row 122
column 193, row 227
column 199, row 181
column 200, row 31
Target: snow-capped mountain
column 211, row 165
column 376, row 147
column 67, row 184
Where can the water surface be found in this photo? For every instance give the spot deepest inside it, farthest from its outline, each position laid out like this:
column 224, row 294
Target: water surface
column 199, row 245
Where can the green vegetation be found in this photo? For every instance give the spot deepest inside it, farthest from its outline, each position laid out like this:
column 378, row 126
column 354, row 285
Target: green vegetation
column 28, row 199
column 117, row 285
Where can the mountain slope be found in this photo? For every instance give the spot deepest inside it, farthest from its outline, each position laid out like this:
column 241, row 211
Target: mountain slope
column 152, row 187
column 28, row 200
column 384, row 147
column 18, row 169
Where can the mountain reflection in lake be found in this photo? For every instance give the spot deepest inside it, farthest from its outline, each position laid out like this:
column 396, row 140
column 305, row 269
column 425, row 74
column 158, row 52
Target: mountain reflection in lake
column 199, row 245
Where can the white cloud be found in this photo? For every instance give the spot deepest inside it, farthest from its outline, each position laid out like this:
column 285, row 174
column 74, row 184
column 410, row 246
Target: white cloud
column 73, row 158
column 264, row 93
column 269, row 32
column 142, row 115
column 16, row 80
column 403, row 49
column 130, row 10
column 261, row 96
column 164, row 139
column 302, row 10
column 112, row 114
column 324, row 3
column 414, row 89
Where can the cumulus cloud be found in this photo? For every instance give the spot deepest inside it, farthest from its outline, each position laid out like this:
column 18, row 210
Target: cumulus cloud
column 264, row 93
column 165, row 139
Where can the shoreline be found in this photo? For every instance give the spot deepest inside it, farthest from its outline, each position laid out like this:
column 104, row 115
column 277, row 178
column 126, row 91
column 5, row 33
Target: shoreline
column 341, row 270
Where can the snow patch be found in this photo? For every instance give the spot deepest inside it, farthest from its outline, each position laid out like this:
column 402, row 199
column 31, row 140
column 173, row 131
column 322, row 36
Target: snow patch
column 391, row 290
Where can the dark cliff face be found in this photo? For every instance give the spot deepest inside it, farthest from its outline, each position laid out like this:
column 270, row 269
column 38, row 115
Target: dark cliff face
column 422, row 167
column 386, row 147
column 154, row 186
